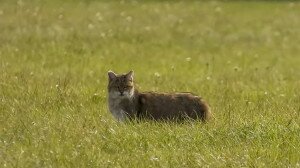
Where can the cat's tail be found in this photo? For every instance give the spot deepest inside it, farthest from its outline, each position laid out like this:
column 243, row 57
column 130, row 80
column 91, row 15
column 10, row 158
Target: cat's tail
column 206, row 113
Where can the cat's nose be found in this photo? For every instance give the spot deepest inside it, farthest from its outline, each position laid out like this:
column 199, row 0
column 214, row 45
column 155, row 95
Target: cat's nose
column 121, row 93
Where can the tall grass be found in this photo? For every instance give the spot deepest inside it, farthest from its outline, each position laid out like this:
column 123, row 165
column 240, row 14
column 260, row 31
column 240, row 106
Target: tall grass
column 242, row 57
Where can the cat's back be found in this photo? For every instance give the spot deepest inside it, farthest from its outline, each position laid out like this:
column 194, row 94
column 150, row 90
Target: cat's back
column 173, row 105
column 155, row 97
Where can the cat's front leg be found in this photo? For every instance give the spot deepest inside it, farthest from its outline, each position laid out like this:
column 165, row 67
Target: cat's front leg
column 120, row 115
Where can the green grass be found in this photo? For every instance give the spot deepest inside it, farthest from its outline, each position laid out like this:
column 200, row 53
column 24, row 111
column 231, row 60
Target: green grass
column 242, row 57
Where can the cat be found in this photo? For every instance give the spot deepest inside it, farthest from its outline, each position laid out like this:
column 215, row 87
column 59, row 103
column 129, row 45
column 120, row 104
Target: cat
column 125, row 102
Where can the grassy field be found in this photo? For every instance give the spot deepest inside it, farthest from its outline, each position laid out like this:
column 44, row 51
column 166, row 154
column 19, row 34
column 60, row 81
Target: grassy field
column 242, row 57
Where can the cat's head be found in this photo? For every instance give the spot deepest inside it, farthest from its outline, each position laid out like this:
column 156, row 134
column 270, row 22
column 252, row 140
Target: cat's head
column 120, row 86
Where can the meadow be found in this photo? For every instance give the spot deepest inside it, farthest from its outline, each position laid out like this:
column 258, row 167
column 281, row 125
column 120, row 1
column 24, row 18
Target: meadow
column 242, row 57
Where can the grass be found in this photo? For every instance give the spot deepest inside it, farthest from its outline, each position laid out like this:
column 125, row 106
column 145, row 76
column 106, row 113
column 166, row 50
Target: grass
column 241, row 56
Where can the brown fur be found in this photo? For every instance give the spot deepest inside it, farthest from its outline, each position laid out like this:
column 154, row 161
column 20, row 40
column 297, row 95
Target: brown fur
column 152, row 105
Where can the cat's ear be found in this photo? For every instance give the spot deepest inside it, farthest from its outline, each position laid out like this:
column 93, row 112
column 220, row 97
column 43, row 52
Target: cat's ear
column 111, row 75
column 130, row 75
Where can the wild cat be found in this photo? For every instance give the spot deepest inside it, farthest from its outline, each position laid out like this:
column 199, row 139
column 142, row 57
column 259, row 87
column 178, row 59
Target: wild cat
column 125, row 102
